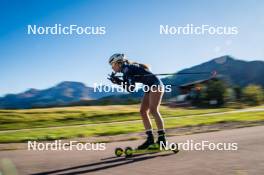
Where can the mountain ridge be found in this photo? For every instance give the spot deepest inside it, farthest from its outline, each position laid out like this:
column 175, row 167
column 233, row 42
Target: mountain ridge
column 234, row 71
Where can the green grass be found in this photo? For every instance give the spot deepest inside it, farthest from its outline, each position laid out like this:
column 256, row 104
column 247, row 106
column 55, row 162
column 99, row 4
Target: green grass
column 42, row 118
column 127, row 127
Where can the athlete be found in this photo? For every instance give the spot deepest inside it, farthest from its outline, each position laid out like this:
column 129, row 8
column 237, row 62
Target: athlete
column 139, row 73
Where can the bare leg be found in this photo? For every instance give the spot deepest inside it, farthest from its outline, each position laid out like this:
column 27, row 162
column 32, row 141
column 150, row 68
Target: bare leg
column 154, row 103
column 144, row 111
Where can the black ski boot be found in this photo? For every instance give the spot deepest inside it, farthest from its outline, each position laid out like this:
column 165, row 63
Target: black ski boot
column 162, row 141
column 148, row 142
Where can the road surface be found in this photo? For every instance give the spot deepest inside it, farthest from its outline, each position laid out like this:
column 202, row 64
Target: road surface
column 248, row 159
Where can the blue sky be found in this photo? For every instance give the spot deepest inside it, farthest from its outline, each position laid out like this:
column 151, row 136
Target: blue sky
column 132, row 27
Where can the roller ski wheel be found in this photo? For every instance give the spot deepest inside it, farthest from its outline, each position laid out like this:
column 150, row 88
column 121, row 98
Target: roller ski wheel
column 129, row 151
column 176, row 150
column 119, row 152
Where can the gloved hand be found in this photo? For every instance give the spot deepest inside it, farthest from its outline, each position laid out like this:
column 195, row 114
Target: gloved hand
column 114, row 79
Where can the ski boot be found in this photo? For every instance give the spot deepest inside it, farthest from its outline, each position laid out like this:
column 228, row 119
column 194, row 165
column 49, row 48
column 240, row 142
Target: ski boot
column 162, row 141
column 148, row 142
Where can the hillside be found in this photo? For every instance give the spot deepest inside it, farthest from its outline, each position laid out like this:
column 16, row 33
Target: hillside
column 233, row 71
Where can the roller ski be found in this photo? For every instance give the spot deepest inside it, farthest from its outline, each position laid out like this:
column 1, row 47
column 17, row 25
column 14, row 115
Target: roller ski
column 130, row 152
column 148, row 147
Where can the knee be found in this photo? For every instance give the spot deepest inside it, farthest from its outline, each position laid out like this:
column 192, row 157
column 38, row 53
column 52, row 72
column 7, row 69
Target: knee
column 144, row 112
column 154, row 110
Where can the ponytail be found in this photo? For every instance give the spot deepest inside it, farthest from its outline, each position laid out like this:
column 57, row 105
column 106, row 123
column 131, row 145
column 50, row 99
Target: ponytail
column 140, row 64
column 144, row 66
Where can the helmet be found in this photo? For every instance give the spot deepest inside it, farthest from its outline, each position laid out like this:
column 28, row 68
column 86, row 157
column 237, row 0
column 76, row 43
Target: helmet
column 118, row 57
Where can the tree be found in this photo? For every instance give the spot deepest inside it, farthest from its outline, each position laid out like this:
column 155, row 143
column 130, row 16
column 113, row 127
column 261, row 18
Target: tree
column 216, row 90
column 238, row 93
column 252, row 95
column 212, row 93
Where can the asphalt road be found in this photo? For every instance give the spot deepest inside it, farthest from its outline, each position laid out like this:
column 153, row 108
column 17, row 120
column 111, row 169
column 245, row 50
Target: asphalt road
column 248, row 159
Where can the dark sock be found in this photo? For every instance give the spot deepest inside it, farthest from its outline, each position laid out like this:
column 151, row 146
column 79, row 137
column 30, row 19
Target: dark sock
column 161, row 132
column 149, row 134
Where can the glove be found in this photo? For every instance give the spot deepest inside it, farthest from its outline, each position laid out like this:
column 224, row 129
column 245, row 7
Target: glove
column 114, row 79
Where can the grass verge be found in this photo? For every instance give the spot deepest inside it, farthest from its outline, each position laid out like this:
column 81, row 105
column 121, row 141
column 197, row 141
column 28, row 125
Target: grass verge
column 104, row 129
